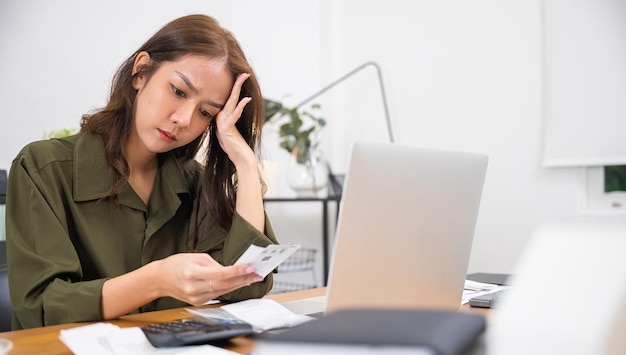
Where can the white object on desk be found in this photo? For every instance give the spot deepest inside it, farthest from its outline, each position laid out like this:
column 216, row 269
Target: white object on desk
column 262, row 313
column 475, row 289
column 5, row 346
column 569, row 296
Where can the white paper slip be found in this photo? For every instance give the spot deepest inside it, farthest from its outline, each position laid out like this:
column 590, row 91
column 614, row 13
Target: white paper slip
column 478, row 286
column 468, row 294
column 83, row 340
column 263, row 314
column 266, row 259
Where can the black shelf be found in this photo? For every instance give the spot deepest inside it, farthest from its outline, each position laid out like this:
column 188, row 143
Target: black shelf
column 335, row 189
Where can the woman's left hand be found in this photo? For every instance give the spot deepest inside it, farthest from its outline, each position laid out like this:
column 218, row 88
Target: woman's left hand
column 230, row 139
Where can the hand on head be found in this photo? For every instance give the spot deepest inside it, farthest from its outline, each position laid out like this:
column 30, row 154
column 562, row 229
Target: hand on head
column 231, row 140
column 196, row 278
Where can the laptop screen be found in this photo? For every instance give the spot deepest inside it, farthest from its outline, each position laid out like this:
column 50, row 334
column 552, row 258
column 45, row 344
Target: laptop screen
column 405, row 227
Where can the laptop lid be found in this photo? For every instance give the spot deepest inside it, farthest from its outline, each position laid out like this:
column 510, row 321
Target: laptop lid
column 405, row 227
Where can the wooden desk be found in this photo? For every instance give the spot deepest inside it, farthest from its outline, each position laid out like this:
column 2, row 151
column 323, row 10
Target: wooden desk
column 46, row 340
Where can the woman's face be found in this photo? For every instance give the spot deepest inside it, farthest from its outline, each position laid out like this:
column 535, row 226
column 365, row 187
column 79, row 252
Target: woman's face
column 179, row 101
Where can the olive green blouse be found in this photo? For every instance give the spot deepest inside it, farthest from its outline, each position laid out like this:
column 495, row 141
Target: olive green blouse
column 64, row 240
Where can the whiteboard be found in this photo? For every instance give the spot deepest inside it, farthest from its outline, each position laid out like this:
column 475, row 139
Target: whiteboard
column 584, row 82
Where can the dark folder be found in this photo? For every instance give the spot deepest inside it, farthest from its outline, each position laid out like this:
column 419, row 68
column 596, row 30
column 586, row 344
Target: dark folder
column 444, row 332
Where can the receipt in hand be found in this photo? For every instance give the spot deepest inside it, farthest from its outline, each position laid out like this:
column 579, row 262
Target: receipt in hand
column 266, row 259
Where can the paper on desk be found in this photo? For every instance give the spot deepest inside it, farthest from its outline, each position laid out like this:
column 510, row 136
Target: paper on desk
column 471, row 285
column 83, row 340
column 263, row 314
column 109, row 339
column 266, row 259
column 474, row 289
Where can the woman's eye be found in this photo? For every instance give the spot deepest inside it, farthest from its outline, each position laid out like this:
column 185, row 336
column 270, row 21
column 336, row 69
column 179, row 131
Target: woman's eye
column 177, row 91
column 206, row 114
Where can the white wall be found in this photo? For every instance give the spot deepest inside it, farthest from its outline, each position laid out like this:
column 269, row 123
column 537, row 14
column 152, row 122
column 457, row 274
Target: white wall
column 459, row 75
column 588, row 35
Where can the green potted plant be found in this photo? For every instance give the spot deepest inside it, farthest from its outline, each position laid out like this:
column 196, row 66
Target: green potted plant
column 307, row 172
column 299, row 133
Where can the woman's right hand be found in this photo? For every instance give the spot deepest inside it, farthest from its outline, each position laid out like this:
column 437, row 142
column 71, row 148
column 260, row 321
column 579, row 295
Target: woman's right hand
column 196, row 278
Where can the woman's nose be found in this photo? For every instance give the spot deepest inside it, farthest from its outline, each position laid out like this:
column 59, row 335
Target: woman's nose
column 182, row 116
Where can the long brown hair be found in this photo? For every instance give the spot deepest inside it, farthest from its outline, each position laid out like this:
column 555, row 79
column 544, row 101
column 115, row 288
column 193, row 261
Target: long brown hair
column 198, row 35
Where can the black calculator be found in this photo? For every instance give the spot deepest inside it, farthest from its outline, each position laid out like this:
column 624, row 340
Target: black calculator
column 194, row 331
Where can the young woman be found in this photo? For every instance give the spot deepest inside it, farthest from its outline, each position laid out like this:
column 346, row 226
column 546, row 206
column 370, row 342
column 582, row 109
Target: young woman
column 120, row 218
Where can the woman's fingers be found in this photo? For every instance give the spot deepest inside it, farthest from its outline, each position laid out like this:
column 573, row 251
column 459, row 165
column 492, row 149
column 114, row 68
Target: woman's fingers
column 228, row 278
column 200, row 278
column 234, row 107
column 225, row 283
column 205, row 290
column 229, row 137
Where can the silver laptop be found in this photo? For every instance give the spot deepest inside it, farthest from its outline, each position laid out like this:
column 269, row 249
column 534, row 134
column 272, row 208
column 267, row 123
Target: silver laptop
column 405, row 229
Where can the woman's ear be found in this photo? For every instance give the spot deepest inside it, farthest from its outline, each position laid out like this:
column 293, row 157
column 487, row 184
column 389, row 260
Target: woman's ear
column 141, row 61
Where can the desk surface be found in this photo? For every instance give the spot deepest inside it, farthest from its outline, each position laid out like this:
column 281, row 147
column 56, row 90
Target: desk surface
column 46, row 340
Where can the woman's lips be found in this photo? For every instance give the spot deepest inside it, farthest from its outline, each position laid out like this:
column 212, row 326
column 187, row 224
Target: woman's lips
column 167, row 136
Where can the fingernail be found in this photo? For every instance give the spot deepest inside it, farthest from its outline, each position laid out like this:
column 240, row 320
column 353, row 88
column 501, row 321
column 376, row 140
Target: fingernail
column 258, row 278
column 250, row 270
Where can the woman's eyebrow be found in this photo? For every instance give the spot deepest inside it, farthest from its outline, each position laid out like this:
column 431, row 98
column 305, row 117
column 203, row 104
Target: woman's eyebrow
column 184, row 78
